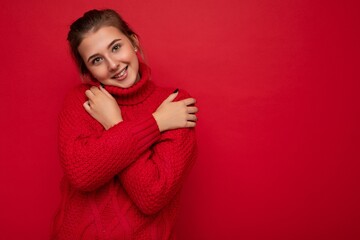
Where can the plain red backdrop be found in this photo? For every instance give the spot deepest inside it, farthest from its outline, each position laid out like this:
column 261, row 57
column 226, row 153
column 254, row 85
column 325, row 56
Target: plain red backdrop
column 277, row 85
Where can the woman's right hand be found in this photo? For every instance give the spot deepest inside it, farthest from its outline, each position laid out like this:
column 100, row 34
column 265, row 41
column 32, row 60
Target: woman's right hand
column 172, row 115
column 102, row 107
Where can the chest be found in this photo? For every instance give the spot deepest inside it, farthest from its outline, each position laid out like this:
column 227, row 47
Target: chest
column 133, row 112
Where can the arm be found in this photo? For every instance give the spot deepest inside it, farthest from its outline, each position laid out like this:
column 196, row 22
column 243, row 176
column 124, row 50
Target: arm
column 155, row 178
column 91, row 156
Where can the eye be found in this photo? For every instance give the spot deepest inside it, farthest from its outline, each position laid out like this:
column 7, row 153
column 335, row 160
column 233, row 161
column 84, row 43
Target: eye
column 96, row 60
column 116, row 47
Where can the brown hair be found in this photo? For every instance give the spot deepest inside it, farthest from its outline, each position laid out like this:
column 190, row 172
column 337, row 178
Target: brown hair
column 93, row 20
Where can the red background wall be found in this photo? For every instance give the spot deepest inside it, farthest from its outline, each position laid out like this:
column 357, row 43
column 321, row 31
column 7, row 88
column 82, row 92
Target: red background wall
column 277, row 85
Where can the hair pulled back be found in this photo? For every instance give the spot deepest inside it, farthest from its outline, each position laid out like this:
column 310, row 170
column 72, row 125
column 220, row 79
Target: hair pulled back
column 92, row 21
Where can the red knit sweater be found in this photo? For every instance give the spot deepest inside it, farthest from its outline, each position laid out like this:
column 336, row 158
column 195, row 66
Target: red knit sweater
column 122, row 183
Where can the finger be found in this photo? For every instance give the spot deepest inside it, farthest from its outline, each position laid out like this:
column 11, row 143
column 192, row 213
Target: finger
column 89, row 93
column 192, row 117
column 171, row 97
column 192, row 109
column 189, row 101
column 105, row 92
column 94, row 90
column 190, row 124
column 87, row 106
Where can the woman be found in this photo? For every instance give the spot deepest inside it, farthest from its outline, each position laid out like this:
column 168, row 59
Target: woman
column 125, row 144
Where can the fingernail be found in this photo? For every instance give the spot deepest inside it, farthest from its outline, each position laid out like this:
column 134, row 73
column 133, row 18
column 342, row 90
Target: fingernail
column 176, row 90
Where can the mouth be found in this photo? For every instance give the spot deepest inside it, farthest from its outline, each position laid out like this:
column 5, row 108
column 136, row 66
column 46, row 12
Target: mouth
column 121, row 75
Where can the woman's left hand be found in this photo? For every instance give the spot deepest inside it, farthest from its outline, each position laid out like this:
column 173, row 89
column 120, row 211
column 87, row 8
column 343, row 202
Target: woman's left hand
column 103, row 107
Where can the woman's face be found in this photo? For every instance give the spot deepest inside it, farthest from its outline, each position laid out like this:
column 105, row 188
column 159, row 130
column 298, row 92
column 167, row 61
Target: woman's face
column 110, row 57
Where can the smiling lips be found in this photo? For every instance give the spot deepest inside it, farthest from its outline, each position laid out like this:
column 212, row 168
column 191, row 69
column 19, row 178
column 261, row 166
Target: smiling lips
column 121, row 75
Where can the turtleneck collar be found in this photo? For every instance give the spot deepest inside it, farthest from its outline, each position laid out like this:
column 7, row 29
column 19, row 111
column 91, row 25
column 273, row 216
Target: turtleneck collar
column 137, row 92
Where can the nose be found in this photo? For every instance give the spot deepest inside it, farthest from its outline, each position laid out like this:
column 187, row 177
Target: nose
column 112, row 65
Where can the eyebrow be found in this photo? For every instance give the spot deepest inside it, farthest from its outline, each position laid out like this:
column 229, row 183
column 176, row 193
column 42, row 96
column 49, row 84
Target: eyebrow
column 114, row 41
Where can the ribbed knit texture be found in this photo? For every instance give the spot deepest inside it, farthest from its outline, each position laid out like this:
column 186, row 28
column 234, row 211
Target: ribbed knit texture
column 122, row 183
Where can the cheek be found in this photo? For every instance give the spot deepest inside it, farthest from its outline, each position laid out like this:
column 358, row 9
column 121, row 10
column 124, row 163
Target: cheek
column 135, row 62
column 125, row 57
column 127, row 54
column 99, row 72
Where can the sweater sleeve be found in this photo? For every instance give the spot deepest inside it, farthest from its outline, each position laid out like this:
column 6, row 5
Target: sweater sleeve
column 155, row 178
column 91, row 156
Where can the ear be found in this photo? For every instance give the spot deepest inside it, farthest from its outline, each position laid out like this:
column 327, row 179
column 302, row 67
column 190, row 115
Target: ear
column 135, row 41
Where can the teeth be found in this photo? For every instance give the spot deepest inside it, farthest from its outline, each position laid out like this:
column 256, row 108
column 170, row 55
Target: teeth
column 121, row 73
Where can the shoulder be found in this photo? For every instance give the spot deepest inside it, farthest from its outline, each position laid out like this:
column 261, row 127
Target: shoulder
column 182, row 94
column 78, row 92
column 76, row 96
column 80, row 88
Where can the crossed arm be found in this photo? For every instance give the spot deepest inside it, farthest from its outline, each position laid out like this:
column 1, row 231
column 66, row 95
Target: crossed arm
column 150, row 160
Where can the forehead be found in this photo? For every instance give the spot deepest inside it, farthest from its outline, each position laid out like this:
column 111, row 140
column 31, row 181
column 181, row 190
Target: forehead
column 99, row 40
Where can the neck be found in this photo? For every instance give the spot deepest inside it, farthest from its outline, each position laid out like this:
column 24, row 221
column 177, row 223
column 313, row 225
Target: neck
column 137, row 92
